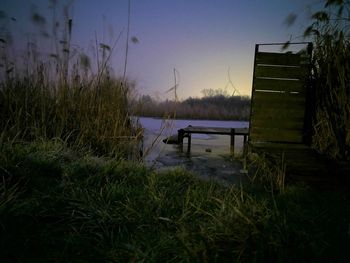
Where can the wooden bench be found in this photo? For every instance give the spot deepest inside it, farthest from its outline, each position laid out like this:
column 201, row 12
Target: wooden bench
column 232, row 132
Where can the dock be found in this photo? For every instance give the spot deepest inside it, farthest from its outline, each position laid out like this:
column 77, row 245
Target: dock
column 232, row 132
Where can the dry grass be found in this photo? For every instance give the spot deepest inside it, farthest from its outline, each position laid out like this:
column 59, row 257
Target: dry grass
column 60, row 96
column 269, row 171
column 92, row 115
column 330, row 31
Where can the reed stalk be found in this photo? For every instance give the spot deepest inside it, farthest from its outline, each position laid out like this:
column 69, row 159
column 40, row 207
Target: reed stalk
column 330, row 32
column 57, row 97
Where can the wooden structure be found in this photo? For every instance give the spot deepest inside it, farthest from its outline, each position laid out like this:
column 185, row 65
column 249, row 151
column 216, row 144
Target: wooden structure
column 232, row 132
column 281, row 86
column 280, row 121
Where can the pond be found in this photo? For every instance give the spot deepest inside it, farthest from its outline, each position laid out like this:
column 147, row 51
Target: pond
column 210, row 156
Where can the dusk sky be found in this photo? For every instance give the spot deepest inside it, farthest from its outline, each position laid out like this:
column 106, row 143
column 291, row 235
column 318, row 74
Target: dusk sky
column 201, row 39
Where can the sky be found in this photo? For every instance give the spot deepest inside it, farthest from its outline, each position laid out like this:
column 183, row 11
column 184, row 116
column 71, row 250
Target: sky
column 207, row 42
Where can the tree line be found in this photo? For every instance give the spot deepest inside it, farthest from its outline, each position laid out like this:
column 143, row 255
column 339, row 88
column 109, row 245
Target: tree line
column 216, row 107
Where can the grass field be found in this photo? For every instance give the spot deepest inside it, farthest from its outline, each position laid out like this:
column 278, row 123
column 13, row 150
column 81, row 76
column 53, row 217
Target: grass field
column 60, row 205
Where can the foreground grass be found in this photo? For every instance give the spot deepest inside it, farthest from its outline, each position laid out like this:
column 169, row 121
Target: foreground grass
column 64, row 206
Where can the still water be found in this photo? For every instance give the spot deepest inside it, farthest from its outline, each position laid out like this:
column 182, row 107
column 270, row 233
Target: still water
column 210, row 156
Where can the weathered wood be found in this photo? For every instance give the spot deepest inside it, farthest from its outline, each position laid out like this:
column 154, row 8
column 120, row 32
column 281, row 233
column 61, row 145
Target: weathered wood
column 278, row 107
column 280, row 72
column 276, row 135
column 277, row 100
column 189, row 142
column 215, row 130
column 188, row 131
column 278, row 58
column 280, row 147
column 180, row 135
column 273, row 105
column 232, row 141
column 279, row 85
column 278, row 124
column 281, row 112
column 277, row 116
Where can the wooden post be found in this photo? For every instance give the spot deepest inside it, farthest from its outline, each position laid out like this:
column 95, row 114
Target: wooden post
column 232, row 144
column 245, row 145
column 189, row 143
column 180, row 138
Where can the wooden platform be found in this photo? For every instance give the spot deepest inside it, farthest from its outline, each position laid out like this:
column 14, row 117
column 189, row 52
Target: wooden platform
column 282, row 107
column 305, row 164
column 232, row 132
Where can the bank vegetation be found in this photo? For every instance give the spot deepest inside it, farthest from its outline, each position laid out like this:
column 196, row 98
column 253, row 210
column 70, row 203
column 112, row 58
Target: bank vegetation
column 209, row 107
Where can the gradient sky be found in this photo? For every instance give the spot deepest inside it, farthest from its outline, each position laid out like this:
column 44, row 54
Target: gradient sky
column 201, row 39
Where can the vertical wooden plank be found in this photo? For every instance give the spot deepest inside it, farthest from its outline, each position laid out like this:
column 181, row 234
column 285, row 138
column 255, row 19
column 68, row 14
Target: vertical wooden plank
column 232, row 143
column 189, row 143
column 180, row 138
column 253, row 85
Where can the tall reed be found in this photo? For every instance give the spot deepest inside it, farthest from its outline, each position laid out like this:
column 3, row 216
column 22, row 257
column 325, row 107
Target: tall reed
column 57, row 96
column 331, row 35
column 93, row 116
column 330, row 104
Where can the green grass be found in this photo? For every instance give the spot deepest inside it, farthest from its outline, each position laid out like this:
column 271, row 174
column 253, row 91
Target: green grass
column 66, row 206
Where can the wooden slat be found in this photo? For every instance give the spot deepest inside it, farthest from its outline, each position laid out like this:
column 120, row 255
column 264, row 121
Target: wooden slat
column 281, row 138
column 267, row 104
column 295, row 124
column 268, row 99
column 279, row 118
column 279, row 85
column 283, row 111
column 276, row 135
column 278, row 59
column 279, row 72
column 215, row 130
column 280, row 147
